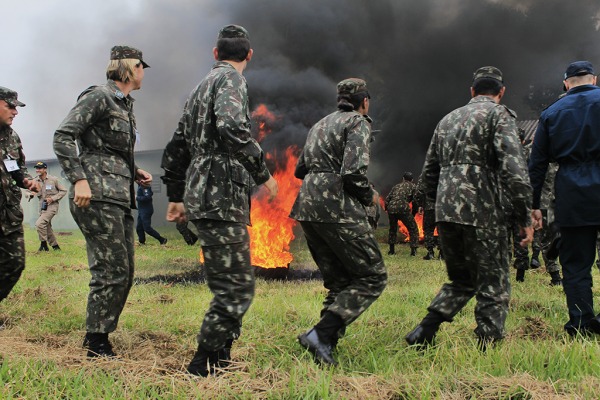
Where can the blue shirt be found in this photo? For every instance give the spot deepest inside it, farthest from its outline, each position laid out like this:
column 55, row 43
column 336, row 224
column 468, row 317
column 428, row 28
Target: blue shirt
column 569, row 133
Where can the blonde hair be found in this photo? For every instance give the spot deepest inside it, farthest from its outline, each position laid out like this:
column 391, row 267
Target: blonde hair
column 122, row 70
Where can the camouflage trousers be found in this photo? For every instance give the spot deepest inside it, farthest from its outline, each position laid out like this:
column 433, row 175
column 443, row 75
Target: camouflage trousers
column 12, row 261
column 230, row 278
column 351, row 265
column 520, row 253
column 44, row 226
column 409, row 222
column 109, row 238
column 545, row 235
column 477, row 264
column 188, row 235
column 429, row 229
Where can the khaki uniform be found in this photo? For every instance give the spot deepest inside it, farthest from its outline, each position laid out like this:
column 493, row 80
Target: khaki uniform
column 49, row 187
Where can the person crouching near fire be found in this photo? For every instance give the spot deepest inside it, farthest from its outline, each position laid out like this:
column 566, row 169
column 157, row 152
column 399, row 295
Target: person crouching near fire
column 331, row 209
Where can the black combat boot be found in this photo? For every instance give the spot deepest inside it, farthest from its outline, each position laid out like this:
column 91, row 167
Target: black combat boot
column 555, row 279
column 203, row 362
column 413, row 251
column 392, row 251
column 98, row 345
column 535, row 260
column 424, row 333
column 520, row 275
column 221, row 358
column 56, row 247
column 43, row 246
column 430, row 255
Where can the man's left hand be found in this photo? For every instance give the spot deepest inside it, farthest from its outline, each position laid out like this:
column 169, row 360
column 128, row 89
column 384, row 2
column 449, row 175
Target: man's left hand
column 143, row 178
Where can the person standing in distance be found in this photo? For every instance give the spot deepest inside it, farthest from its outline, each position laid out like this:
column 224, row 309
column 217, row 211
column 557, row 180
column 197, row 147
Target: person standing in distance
column 331, row 209
column 568, row 133
column 51, row 191
column 213, row 139
column 13, row 177
column 102, row 125
column 474, row 153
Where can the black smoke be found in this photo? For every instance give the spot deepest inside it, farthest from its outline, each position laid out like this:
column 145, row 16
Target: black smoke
column 417, row 57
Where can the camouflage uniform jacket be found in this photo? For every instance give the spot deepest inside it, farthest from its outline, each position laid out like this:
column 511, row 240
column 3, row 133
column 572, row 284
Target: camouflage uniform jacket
column 214, row 147
column 397, row 201
column 474, row 153
column 103, row 126
column 333, row 166
column 11, row 213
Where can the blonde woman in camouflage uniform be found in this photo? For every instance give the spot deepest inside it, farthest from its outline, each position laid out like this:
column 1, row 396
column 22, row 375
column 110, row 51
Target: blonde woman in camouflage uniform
column 331, row 209
column 13, row 177
column 102, row 194
column 209, row 165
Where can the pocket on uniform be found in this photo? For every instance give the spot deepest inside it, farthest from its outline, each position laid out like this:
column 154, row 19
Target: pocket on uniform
column 119, row 136
column 116, row 179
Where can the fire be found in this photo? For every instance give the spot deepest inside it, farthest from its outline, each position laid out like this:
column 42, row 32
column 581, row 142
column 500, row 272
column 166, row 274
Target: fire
column 264, row 119
column 272, row 229
column 419, row 221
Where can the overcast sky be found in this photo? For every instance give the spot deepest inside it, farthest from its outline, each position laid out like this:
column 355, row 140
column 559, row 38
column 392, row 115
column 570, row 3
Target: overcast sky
column 417, row 56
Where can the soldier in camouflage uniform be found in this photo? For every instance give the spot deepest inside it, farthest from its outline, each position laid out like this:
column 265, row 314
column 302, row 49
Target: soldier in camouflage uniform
column 331, row 209
column 474, row 153
column 397, row 205
column 102, row 126
column 547, row 209
column 13, row 177
column 213, row 143
column 428, row 210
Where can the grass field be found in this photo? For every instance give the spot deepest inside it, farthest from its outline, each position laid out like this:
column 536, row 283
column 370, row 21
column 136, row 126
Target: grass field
column 44, row 325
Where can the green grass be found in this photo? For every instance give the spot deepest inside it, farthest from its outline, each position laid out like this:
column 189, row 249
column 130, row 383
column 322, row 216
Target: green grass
column 42, row 357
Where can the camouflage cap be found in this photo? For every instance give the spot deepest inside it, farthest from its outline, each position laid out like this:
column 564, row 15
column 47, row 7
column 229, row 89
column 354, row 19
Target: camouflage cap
column 233, row 31
column 124, row 52
column 488, row 72
column 10, row 96
column 352, row 86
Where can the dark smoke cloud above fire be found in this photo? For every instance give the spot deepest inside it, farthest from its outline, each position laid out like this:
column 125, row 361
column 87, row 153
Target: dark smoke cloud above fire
column 417, row 57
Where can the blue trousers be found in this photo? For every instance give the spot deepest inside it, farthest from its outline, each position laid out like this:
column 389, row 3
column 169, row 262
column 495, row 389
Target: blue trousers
column 144, row 225
column 577, row 253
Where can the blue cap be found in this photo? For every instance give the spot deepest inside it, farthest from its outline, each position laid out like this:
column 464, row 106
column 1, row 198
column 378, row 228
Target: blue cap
column 579, row 68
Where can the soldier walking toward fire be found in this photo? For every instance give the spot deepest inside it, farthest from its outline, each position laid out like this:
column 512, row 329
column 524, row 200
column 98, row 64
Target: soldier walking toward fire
column 428, row 211
column 568, row 132
column 51, row 191
column 474, row 153
column 103, row 127
column 397, row 205
column 331, row 209
column 214, row 137
column 13, row 177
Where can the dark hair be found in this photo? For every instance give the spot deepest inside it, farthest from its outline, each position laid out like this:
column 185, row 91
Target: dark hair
column 233, row 49
column 487, row 86
column 351, row 102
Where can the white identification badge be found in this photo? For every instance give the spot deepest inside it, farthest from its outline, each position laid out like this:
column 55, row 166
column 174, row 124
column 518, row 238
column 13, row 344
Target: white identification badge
column 48, row 187
column 137, row 137
column 11, row 165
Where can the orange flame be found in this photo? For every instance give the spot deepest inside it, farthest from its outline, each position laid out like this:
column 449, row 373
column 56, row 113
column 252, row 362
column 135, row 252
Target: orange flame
column 419, row 221
column 272, row 229
column 264, row 119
